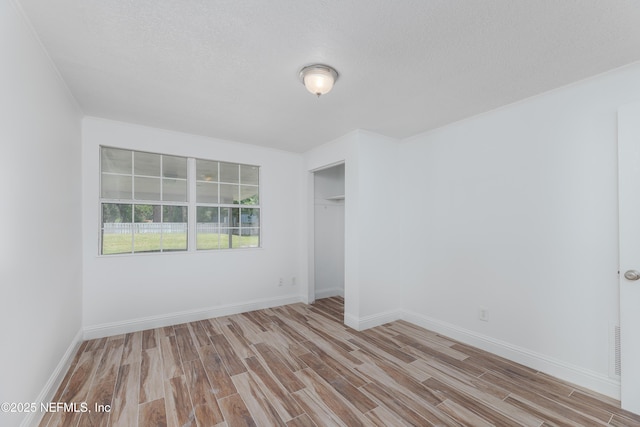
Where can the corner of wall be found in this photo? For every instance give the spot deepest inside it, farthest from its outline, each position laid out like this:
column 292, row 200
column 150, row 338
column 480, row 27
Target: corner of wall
column 368, row 322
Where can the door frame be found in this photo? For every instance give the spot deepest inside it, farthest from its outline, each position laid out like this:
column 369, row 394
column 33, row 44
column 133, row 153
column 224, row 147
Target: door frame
column 629, row 253
column 311, row 269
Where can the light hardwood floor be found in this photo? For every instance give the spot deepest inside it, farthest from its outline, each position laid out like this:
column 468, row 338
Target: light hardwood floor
column 298, row 365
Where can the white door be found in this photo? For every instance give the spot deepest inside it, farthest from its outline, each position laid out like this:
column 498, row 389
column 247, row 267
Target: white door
column 629, row 205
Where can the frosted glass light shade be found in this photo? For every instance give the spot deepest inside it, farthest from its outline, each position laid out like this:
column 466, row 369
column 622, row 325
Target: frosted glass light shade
column 318, row 78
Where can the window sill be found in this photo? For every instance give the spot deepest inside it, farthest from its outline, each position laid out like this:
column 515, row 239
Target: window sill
column 169, row 253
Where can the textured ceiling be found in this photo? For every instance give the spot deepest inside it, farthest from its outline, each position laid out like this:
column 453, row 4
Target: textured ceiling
column 229, row 68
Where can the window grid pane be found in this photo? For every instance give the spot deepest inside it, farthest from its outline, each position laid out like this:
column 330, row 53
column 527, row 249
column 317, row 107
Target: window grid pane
column 116, row 229
column 174, row 228
column 249, row 195
column 206, row 170
column 146, row 188
column 116, row 187
column 115, row 160
column 229, row 194
column 249, row 175
column 230, row 173
column 174, row 190
column 161, row 224
column 207, row 227
column 207, row 192
column 174, row 167
column 146, row 164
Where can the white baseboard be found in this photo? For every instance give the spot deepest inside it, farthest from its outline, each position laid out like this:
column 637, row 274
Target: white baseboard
column 568, row 372
column 366, row 322
column 326, row 293
column 352, row 321
column 557, row 368
column 54, row 381
column 151, row 322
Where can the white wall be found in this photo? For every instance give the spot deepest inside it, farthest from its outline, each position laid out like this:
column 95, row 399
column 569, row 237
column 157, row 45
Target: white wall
column 382, row 214
column 329, row 249
column 341, row 150
column 40, row 248
column 127, row 292
column 329, row 232
column 371, row 290
column 516, row 211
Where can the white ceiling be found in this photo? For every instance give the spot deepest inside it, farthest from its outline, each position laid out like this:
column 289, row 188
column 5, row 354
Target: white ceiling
column 229, row 68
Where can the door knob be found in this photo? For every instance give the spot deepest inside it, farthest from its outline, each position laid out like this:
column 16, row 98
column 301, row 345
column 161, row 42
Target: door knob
column 631, row 275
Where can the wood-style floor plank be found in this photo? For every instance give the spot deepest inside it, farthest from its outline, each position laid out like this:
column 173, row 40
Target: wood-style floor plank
column 229, row 357
column 110, row 362
column 403, row 409
column 101, row 396
column 132, row 351
column 151, row 381
column 280, row 370
column 202, row 397
column 382, row 417
column 124, row 407
column 301, row 421
column 337, row 363
column 65, row 381
column 79, row 385
column 259, row 405
column 152, row 414
column 235, row 412
column 149, row 339
column 171, row 362
column 188, row 349
column 199, row 333
column 282, row 400
column 221, row 383
column 236, row 338
column 463, row 415
column 300, row 366
column 339, row 383
column 178, row 405
column 320, row 391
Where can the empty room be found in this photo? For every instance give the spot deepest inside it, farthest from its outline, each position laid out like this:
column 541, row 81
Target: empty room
column 194, row 234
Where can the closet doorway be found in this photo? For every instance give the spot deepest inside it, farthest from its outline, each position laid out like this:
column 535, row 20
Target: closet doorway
column 328, row 230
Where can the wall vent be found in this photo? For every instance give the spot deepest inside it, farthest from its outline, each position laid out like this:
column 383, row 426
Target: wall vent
column 614, row 353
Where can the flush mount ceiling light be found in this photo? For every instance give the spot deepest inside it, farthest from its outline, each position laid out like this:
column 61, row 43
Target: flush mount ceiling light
column 318, row 78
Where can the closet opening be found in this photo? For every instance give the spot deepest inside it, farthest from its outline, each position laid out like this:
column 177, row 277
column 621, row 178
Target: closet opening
column 328, row 232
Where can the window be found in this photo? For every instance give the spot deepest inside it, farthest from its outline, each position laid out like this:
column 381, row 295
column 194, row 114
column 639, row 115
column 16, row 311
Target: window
column 145, row 203
column 228, row 213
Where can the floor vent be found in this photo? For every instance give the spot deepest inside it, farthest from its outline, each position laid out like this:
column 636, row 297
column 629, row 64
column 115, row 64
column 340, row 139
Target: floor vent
column 614, row 355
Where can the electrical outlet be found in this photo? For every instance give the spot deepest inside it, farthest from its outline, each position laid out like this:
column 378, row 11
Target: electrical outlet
column 281, row 282
column 483, row 314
